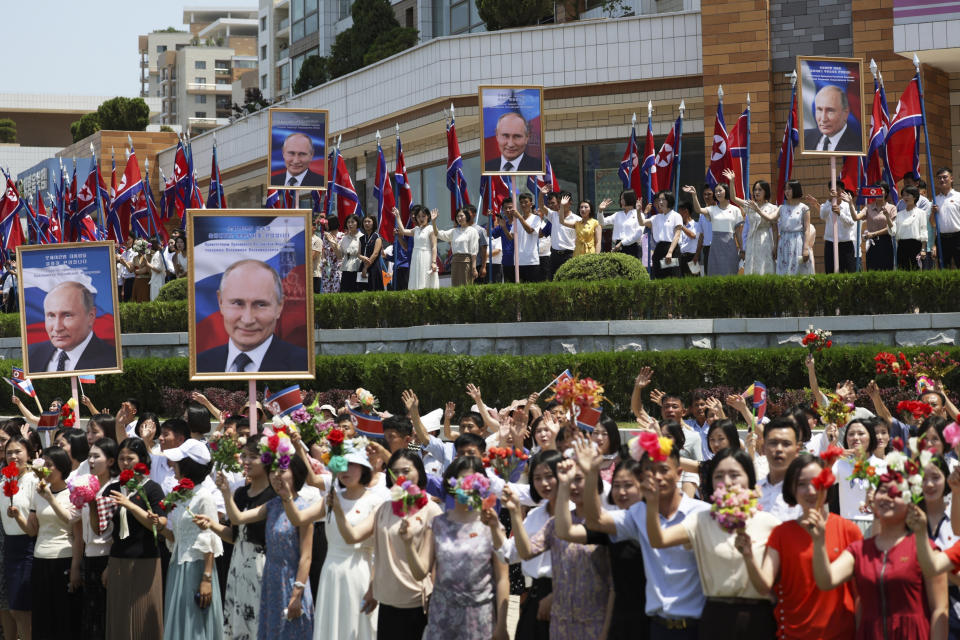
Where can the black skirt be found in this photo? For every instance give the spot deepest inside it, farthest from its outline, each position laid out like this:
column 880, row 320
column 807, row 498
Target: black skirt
column 18, row 569
column 737, row 619
column 528, row 627
column 55, row 610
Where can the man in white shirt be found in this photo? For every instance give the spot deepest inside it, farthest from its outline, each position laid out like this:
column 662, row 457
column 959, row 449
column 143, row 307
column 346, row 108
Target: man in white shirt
column 847, row 230
column 781, row 439
column 562, row 239
column 527, row 238
column 946, row 215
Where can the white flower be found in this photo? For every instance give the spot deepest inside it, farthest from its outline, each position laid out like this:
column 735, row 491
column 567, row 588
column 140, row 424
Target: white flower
column 915, row 481
column 396, row 492
column 38, row 464
column 241, row 441
column 277, row 421
column 912, row 443
column 895, row 460
column 925, row 458
column 917, row 489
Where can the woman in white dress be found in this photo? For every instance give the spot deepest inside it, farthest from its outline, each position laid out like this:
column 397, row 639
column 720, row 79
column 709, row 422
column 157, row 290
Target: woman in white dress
column 423, row 258
column 724, row 217
column 348, row 251
column 759, row 251
column 342, row 610
column 158, row 270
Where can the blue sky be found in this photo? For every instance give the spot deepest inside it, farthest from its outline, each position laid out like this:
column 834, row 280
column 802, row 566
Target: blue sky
column 86, row 47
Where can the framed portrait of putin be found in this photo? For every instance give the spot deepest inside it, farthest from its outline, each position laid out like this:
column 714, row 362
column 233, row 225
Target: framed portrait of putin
column 831, row 106
column 249, row 294
column 69, row 322
column 297, row 148
column 511, row 123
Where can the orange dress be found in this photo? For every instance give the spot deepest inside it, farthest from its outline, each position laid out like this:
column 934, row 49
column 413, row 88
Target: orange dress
column 586, row 234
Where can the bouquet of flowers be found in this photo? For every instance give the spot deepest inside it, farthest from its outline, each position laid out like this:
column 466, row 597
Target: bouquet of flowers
column 133, row 480
column 181, row 493
column 863, row 470
column 225, row 452
column 824, row 480
column 895, row 365
column 83, row 490
column 816, row 340
column 733, row 506
column 472, row 490
column 140, row 246
column 276, row 448
column 657, row 447
column 952, row 435
column 406, row 497
column 311, row 423
column 11, row 486
column 919, row 410
column 574, row 390
column 40, row 470
column 334, row 457
column 836, row 412
column 67, row 416
column 906, row 471
column 935, row 365
column 367, row 401
column 924, row 384
column 504, row 460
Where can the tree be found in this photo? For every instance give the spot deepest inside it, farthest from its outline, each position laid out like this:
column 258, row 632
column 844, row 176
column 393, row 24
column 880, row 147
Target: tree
column 8, row 130
column 312, row 73
column 87, row 125
column 375, row 35
column 506, row 14
column 166, row 129
column 124, row 114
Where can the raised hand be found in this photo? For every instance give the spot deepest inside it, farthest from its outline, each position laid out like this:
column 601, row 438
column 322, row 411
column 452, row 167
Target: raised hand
column 509, row 499
column 688, row 189
column 606, row 202
column 120, row 499
column 916, row 519
column 449, row 410
column 872, row 388
column 566, row 469
column 743, row 544
column 202, row 521
column 587, row 455
column 644, row 377
column 433, row 214
column 565, row 200
column 814, row 522
column 279, row 486
column 729, row 175
column 474, row 392
column 954, row 480
column 656, row 396
column 410, row 401
column 222, row 483
column 736, row 401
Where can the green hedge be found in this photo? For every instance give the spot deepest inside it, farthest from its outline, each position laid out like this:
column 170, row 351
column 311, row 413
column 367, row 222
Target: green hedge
column 870, row 293
column 438, row 378
column 602, row 266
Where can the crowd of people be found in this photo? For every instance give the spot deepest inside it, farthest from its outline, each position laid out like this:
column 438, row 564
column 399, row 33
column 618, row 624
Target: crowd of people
column 144, row 265
column 692, row 233
column 419, row 535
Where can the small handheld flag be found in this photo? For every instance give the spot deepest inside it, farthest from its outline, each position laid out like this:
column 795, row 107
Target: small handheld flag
column 367, row 425
column 283, row 402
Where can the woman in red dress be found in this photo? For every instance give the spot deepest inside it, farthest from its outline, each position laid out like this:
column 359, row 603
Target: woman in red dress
column 896, row 601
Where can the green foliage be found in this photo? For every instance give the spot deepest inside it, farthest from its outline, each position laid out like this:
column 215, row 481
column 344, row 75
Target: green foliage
column 8, row 130
column 87, row 125
column 602, row 266
column 506, row 14
column 170, row 30
column 173, row 290
column 439, row 378
column 312, row 73
column 374, row 35
column 124, row 114
column 877, row 292
column 165, row 128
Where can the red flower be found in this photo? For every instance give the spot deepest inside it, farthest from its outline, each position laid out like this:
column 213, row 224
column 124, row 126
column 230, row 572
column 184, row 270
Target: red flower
column 162, row 505
column 142, row 469
column 824, row 480
column 897, row 443
column 65, row 410
column 273, row 442
column 829, row 343
column 335, row 437
column 910, row 468
column 186, row 484
column 401, row 480
column 10, row 488
column 421, row 501
column 831, row 454
column 68, row 422
column 11, row 470
column 126, row 476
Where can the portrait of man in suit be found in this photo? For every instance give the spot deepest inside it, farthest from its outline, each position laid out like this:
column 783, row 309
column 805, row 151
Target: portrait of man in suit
column 250, row 298
column 69, row 311
column 513, row 134
column 298, row 153
column 833, row 132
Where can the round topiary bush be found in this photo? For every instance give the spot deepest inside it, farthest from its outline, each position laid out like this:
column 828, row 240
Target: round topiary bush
column 602, row 266
column 173, row 290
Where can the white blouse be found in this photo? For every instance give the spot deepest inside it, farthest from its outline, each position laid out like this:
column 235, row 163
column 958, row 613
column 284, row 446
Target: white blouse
column 22, row 500
column 192, row 543
column 464, row 241
column 97, row 545
column 724, row 220
column 350, row 250
column 912, row 224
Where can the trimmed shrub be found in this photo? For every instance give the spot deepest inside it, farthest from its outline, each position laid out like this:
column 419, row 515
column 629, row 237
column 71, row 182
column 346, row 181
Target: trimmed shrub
column 439, row 378
column 173, row 290
column 602, row 266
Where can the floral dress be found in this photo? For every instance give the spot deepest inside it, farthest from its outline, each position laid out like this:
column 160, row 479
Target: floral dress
column 463, row 603
column 790, row 247
column 279, row 574
column 582, row 582
column 330, row 265
column 758, row 248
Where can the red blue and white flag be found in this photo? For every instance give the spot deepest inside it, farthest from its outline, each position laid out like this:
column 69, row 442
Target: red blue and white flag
column 404, row 193
column 283, row 402
column 367, row 425
column 587, row 417
column 11, row 233
column 548, row 180
column 739, row 142
column 342, row 187
column 720, row 151
column 648, row 168
column 791, row 138
column 83, row 228
column 629, row 171
column 757, row 395
column 497, row 189
column 456, row 181
column 383, row 192
column 87, row 378
column 903, row 138
column 215, row 198
column 668, row 159
column 19, row 379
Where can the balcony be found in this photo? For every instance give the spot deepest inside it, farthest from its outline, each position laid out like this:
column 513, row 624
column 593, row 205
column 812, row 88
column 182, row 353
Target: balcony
column 277, row 4
column 197, row 124
column 222, row 71
column 208, row 87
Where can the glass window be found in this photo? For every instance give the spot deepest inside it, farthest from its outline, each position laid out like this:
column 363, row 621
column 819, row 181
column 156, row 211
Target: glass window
column 296, row 31
column 200, row 80
column 200, row 64
column 297, row 64
column 459, row 17
column 310, row 24
column 201, row 99
column 344, row 11
column 263, row 23
column 161, row 48
column 263, row 52
column 296, row 12
column 565, row 160
column 200, row 114
column 474, row 16
column 601, row 162
column 285, row 76
column 311, row 7
column 263, row 83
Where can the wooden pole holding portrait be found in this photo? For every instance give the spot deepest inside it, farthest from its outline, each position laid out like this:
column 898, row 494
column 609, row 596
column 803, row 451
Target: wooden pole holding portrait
column 832, row 114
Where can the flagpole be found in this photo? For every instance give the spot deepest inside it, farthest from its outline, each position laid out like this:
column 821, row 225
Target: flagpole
column 649, row 194
column 515, row 188
column 396, row 236
column 146, row 195
column 746, row 165
column 676, row 177
column 926, row 140
column 856, row 247
column 96, row 168
column 836, row 218
column 490, row 231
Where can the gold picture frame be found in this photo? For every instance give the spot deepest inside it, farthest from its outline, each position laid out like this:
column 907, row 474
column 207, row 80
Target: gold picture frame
column 814, row 74
column 218, row 241
column 91, row 265
column 284, row 122
column 525, row 101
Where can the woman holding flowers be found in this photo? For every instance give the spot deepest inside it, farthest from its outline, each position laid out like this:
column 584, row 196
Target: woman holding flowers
column 735, row 608
column 93, row 535
column 472, row 586
column 19, row 487
column 896, row 601
column 936, row 505
column 133, row 576
column 856, row 471
column 286, row 602
column 786, row 567
column 192, row 605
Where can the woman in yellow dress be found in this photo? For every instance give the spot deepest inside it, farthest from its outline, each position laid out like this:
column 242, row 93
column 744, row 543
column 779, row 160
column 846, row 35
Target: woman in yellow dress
column 587, row 228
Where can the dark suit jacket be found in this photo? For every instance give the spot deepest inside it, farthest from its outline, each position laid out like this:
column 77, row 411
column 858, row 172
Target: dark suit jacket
column 281, row 356
column 99, row 354
column 311, row 179
column 851, row 140
column 527, row 164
